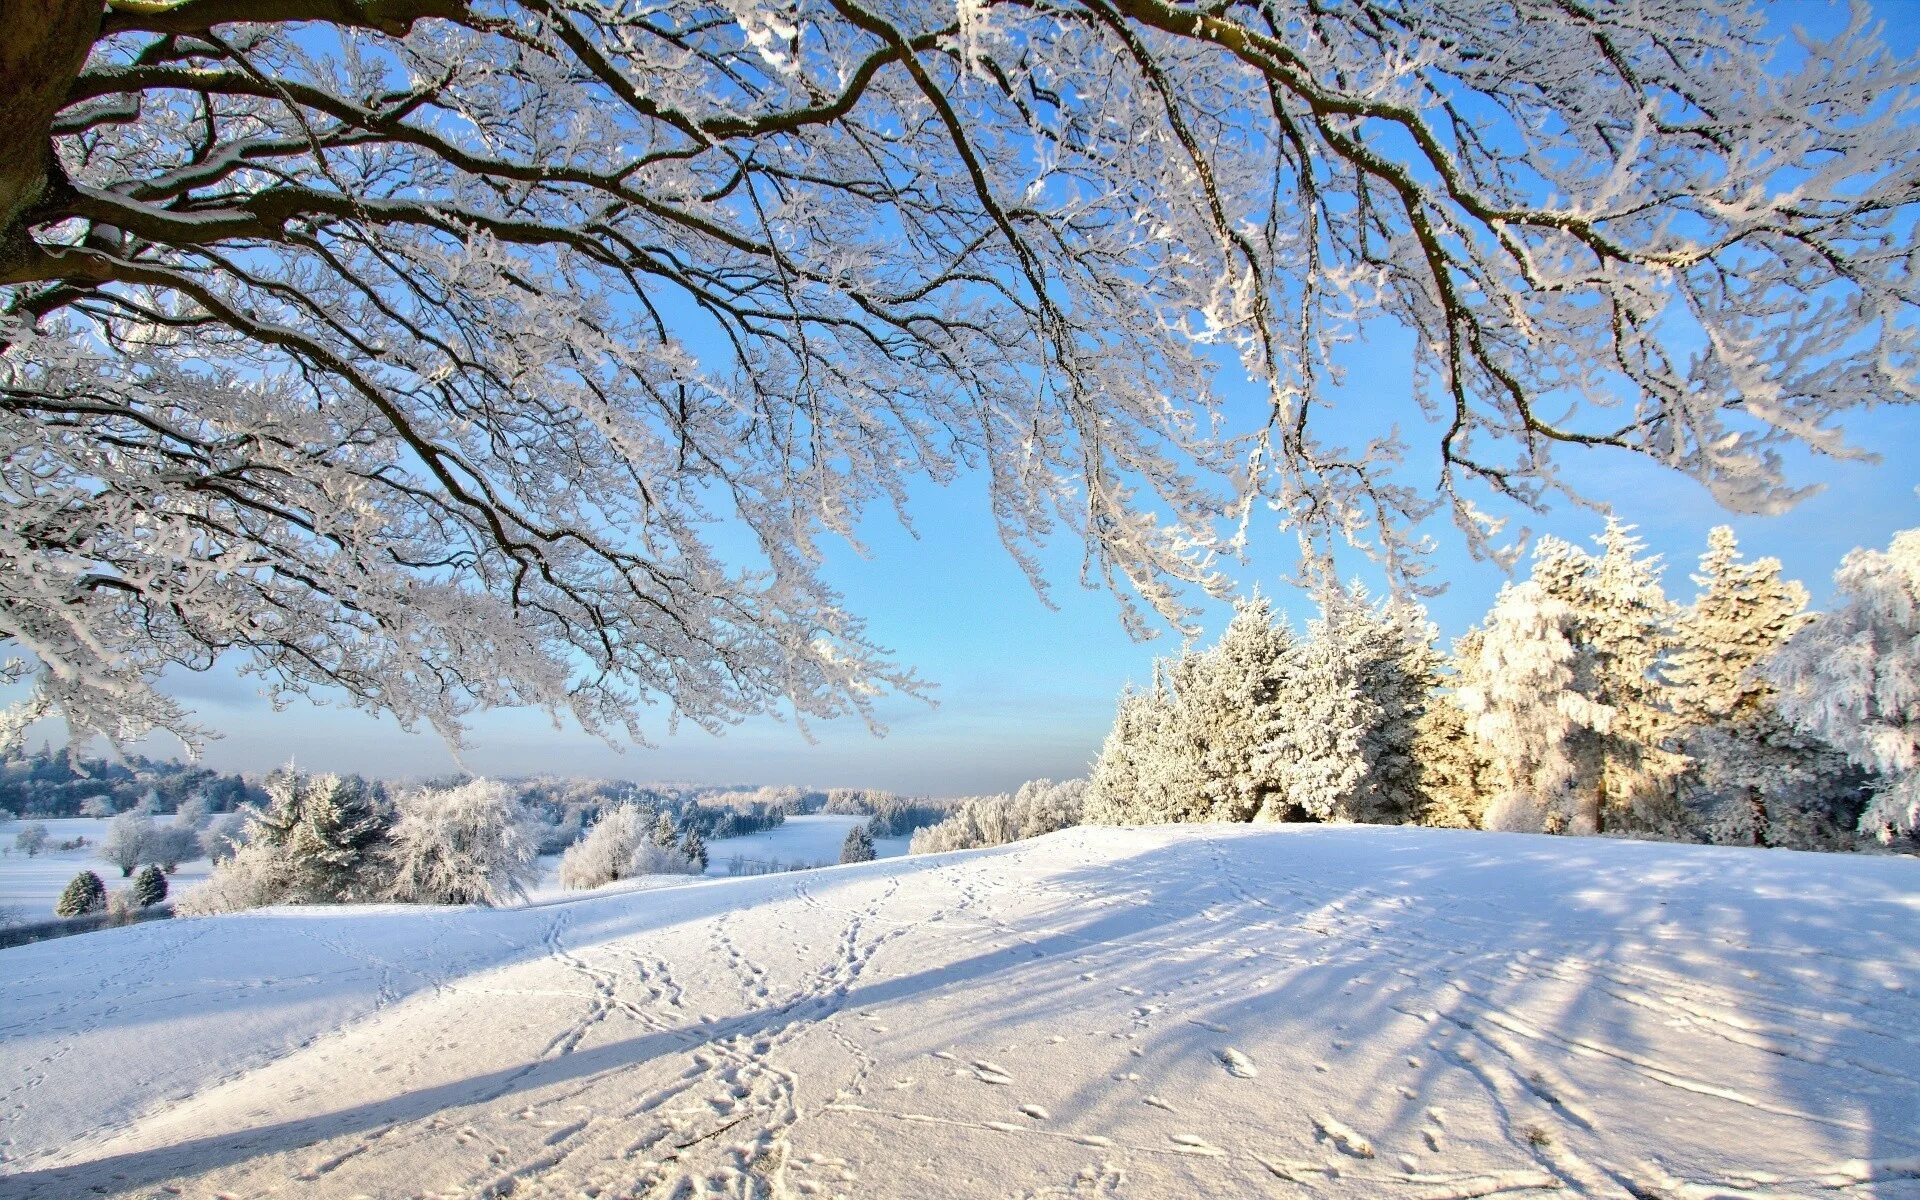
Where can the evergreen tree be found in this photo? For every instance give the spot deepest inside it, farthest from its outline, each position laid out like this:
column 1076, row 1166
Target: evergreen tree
column 858, row 847
column 1852, row 678
column 1113, row 784
column 1454, row 774
column 1231, row 701
column 1529, row 716
column 83, row 895
column 1341, row 743
column 1753, row 778
column 1621, row 626
column 149, row 886
column 329, row 831
column 694, row 849
column 664, row 834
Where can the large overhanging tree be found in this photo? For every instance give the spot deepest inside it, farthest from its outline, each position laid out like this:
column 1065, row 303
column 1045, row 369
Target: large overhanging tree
column 425, row 349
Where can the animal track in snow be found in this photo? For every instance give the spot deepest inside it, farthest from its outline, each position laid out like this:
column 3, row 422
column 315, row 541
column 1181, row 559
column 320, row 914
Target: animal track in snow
column 1344, row 1137
column 1188, row 1143
column 987, row 1072
column 1237, row 1064
column 1036, row 1112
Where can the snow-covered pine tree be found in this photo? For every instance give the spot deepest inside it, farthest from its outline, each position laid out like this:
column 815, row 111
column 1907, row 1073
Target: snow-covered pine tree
column 1753, row 778
column 1454, row 773
column 1316, row 754
column 1529, row 716
column 1339, row 745
column 84, row 894
column 664, row 834
column 693, row 848
column 470, row 844
column 329, row 831
column 149, row 886
column 1621, row 623
column 1852, row 678
column 1113, row 782
column 1151, row 772
column 858, row 847
column 1230, row 701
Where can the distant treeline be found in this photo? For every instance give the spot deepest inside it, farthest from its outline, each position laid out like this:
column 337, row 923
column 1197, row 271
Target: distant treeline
column 64, row 783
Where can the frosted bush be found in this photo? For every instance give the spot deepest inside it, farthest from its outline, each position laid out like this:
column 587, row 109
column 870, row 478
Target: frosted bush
column 251, row 875
column 471, row 844
column 605, row 853
column 649, row 859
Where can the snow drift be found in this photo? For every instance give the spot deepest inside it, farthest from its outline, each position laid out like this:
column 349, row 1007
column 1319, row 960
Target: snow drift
column 1180, row 1011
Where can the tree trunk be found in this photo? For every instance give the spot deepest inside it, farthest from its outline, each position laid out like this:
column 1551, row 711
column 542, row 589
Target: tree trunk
column 1757, row 813
column 43, row 46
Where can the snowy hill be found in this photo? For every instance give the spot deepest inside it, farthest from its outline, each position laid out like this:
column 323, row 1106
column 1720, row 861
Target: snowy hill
column 1175, row 1012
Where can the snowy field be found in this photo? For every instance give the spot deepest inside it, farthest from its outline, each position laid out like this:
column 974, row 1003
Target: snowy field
column 29, row 886
column 1177, row 1012
column 810, row 840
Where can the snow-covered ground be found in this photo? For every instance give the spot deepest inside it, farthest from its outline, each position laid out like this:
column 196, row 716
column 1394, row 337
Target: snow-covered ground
column 1176, row 1012
column 29, row 886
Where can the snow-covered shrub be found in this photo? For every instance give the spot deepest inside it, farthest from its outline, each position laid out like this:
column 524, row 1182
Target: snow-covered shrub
column 96, row 806
column 1852, row 678
column 649, row 859
column 469, row 844
column 83, row 895
column 123, row 906
column 1039, row 806
column 149, row 886
column 251, row 875
column 129, row 841
column 605, row 852
column 858, row 847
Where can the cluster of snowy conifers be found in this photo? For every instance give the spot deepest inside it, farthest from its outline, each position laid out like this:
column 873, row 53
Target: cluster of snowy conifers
column 1585, row 702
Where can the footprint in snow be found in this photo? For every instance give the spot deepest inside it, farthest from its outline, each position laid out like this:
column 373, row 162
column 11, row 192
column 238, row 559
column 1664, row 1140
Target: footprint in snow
column 1237, row 1064
column 1208, row 1025
column 1036, row 1112
column 987, row 1072
column 1188, row 1143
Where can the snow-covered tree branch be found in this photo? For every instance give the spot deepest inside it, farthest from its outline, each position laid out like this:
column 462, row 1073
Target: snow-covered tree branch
column 421, row 348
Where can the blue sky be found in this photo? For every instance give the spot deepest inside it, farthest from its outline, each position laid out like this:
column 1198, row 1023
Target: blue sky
column 1025, row 690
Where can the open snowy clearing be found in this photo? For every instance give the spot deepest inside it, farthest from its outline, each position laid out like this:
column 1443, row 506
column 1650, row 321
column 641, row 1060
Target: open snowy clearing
column 1181, row 1011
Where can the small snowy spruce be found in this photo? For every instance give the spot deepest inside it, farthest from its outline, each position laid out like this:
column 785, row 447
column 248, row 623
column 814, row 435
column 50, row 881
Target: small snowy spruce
column 858, row 847
column 83, row 895
column 329, row 831
column 693, row 848
column 150, row 886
